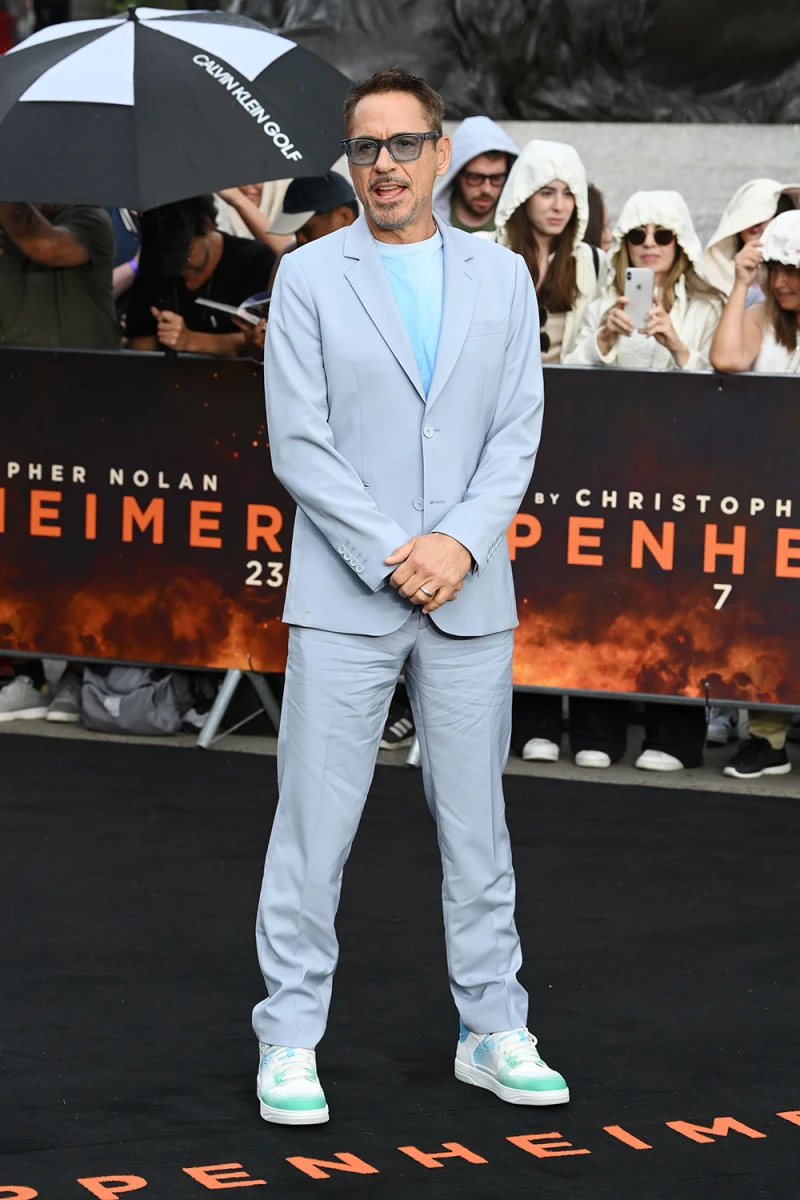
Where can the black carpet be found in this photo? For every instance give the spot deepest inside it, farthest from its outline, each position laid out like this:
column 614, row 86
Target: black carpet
column 660, row 933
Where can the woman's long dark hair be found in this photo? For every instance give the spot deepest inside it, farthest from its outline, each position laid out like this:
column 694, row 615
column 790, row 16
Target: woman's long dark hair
column 783, row 322
column 597, row 211
column 559, row 291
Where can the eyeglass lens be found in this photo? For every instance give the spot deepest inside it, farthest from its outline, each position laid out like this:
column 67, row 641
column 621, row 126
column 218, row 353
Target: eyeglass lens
column 403, row 147
column 476, row 178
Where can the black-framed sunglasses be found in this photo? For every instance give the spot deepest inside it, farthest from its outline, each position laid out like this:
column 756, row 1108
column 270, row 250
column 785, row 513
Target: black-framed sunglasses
column 544, row 338
column 476, row 178
column 403, row 147
column 638, row 237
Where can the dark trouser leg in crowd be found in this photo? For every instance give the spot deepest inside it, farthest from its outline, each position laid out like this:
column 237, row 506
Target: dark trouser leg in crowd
column 598, row 730
column 675, row 736
column 765, row 751
column 22, row 698
column 398, row 732
column 536, row 726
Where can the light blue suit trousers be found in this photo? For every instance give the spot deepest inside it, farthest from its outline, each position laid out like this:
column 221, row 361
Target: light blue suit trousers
column 336, row 700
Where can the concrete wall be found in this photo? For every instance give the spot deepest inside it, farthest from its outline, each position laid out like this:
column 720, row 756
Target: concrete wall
column 706, row 163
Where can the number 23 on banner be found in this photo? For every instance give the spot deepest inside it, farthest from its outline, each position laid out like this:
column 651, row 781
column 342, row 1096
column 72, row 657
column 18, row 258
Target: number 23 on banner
column 274, row 579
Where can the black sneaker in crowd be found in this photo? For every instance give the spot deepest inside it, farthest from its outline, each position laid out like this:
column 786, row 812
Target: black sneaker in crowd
column 399, row 731
column 757, row 758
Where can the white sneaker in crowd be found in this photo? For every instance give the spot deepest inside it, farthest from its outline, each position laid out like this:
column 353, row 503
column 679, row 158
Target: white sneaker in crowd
column 509, row 1065
column 66, row 704
column 21, row 701
column 723, row 726
column 592, row 758
column 540, row 750
column 289, row 1092
column 658, row 760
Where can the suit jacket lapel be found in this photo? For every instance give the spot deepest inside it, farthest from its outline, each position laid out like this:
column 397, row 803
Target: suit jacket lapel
column 460, row 294
column 368, row 280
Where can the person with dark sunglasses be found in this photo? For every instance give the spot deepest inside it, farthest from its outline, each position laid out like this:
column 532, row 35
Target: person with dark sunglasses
column 467, row 194
column 654, row 230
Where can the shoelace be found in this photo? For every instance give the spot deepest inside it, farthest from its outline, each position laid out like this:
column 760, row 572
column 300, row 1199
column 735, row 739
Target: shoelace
column 520, row 1045
column 291, row 1063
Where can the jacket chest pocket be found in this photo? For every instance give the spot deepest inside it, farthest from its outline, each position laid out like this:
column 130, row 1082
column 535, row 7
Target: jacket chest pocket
column 487, row 329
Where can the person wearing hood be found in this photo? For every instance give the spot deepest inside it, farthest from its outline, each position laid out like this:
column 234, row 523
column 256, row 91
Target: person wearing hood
column 654, row 230
column 542, row 214
column 466, row 196
column 765, row 338
column 744, row 220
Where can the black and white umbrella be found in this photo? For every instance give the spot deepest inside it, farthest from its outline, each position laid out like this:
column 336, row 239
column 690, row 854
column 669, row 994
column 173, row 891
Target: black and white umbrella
column 156, row 106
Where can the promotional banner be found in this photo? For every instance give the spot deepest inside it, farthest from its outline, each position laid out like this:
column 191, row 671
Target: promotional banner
column 657, row 551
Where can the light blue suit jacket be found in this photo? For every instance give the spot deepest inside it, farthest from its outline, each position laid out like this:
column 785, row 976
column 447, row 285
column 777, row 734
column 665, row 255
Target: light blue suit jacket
column 369, row 459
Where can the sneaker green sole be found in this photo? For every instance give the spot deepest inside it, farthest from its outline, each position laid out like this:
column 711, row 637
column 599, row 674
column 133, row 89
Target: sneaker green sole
column 472, row 1075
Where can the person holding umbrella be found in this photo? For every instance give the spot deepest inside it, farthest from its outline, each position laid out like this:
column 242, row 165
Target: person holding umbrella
column 56, row 264
column 56, row 277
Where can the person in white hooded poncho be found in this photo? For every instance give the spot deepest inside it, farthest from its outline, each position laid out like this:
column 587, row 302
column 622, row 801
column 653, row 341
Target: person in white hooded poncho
column 681, row 323
column 542, row 215
column 744, row 220
column 765, row 338
column 467, row 194
column 654, row 230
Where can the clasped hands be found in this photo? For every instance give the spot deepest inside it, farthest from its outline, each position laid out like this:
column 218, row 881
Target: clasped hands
column 434, row 562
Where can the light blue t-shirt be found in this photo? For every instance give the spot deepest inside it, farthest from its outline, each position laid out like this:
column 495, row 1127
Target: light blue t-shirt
column 416, row 275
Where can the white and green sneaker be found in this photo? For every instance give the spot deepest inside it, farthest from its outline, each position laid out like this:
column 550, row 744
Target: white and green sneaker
column 287, row 1086
column 509, row 1065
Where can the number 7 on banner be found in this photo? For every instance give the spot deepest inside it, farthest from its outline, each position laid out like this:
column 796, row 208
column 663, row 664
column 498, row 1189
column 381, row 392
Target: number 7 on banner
column 724, row 590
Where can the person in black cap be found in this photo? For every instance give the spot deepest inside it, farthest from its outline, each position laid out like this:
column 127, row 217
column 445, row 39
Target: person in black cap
column 316, row 206
column 312, row 208
column 185, row 258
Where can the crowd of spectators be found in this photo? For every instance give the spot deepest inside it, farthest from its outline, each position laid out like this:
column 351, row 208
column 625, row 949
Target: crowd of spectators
column 85, row 277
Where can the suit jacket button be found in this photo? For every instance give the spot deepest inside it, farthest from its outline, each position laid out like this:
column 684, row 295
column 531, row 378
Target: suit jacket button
column 341, row 549
column 419, row 504
column 359, row 568
column 428, row 431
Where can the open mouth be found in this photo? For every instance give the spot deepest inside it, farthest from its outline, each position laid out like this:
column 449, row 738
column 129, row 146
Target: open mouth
column 388, row 192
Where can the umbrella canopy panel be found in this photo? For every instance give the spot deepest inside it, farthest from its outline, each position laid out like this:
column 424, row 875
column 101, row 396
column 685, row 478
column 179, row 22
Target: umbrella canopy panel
column 159, row 106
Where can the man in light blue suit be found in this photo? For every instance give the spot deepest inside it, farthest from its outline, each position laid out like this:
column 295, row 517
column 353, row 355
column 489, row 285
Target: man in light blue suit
column 404, row 399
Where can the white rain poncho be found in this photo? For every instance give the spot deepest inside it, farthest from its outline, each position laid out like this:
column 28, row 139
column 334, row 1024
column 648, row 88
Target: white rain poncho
column 541, row 163
column 694, row 319
column 476, row 135
column 271, row 204
column 753, row 204
column 781, row 240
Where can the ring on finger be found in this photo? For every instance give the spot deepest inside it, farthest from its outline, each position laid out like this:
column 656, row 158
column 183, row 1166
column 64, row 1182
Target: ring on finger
column 425, row 592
